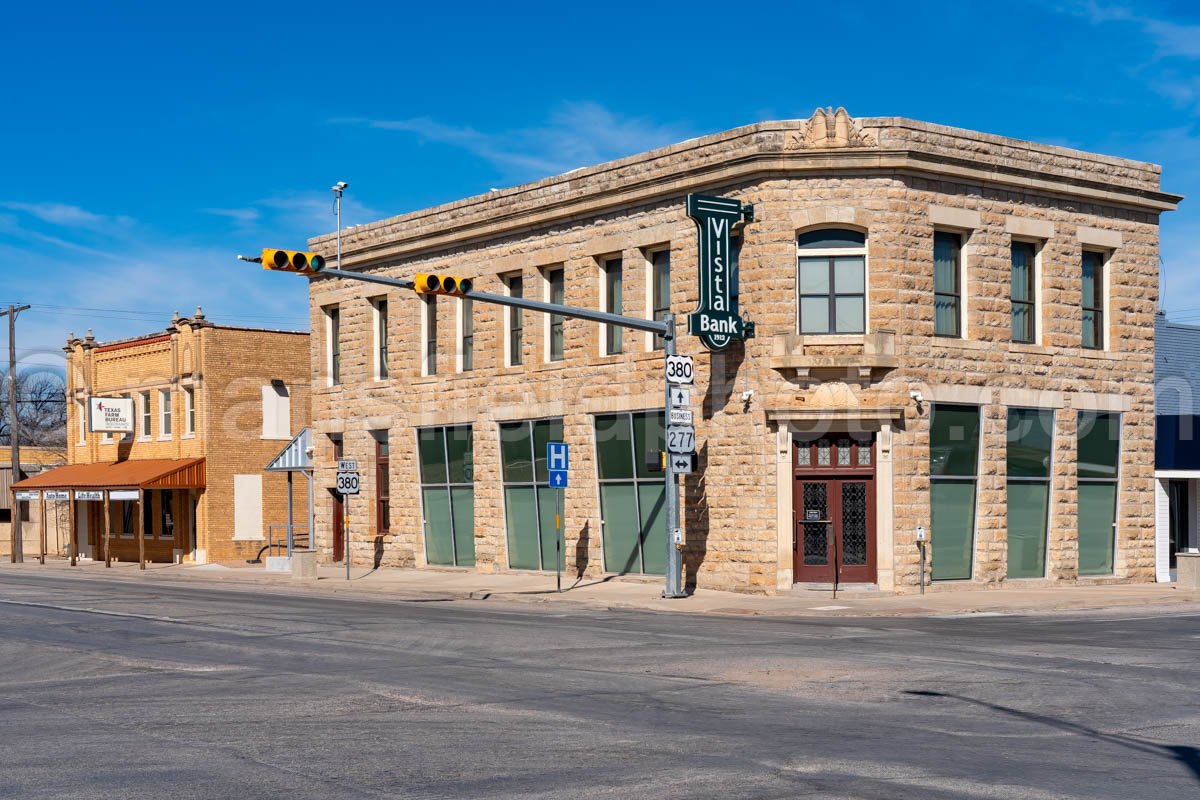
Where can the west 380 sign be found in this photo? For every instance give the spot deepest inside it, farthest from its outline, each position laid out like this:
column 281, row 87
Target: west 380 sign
column 717, row 321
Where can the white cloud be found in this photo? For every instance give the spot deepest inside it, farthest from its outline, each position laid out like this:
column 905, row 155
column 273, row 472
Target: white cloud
column 242, row 216
column 574, row 135
column 67, row 216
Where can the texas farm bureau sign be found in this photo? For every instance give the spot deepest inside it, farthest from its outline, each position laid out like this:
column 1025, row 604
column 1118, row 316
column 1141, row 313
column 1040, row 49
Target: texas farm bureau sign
column 717, row 321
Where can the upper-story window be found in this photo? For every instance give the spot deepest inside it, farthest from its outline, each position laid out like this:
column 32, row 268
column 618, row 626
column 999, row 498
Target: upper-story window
column 1093, row 300
column 466, row 342
column 611, row 278
column 555, row 293
column 145, row 401
column 832, row 281
column 429, row 334
column 1024, row 292
column 333, row 344
column 164, row 413
column 660, row 288
column 947, row 286
column 380, row 312
column 189, row 411
column 515, row 331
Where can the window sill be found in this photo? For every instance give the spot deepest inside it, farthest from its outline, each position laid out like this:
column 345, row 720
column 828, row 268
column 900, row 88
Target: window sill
column 164, row 438
column 188, row 436
column 1030, row 348
column 1097, row 355
column 960, row 344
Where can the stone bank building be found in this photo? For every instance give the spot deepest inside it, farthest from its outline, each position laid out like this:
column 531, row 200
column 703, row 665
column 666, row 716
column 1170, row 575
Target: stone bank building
column 954, row 331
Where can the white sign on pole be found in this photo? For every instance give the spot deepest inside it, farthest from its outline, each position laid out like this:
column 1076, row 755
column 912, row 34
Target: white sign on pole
column 681, row 439
column 57, row 494
column 681, row 397
column 89, row 494
column 681, row 464
column 125, row 494
column 110, row 414
column 347, row 483
column 679, row 416
column 680, row 369
column 347, row 465
column 27, row 495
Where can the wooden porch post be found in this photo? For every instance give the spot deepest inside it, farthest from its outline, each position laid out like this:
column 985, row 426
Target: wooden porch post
column 107, row 526
column 141, row 524
column 12, row 528
column 71, row 524
column 42, row 555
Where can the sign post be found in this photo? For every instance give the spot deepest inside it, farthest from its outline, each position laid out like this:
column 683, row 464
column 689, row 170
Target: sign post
column 558, row 463
column 347, row 484
column 677, row 370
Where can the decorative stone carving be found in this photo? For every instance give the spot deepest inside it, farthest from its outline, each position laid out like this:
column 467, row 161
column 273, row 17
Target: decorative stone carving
column 828, row 128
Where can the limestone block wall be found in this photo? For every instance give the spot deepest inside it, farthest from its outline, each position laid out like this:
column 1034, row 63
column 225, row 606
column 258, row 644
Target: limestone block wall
column 897, row 181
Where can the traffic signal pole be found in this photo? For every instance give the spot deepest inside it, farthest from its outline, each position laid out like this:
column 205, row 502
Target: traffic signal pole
column 664, row 328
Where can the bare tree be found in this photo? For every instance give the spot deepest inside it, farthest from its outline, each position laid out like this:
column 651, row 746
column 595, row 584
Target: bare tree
column 41, row 408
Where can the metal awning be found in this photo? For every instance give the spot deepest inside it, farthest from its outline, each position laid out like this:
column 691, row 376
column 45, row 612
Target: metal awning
column 158, row 473
column 296, row 457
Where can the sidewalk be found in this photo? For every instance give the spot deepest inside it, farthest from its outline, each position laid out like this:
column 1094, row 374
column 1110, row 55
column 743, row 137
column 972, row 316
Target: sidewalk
column 635, row 593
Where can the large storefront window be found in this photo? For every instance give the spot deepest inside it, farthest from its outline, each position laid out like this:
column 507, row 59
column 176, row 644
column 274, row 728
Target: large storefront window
column 448, row 494
column 1099, row 437
column 1030, row 443
column 631, row 497
column 529, row 502
column 953, row 469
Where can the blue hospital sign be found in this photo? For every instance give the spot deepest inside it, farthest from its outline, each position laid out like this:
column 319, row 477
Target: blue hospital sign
column 557, row 463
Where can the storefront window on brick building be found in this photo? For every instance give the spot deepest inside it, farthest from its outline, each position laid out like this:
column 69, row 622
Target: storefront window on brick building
column 447, row 459
column 953, row 468
column 1098, row 453
column 529, row 502
column 1030, row 443
column 631, row 497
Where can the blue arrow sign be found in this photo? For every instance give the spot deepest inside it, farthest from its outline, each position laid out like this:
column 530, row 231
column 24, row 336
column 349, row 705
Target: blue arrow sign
column 558, row 479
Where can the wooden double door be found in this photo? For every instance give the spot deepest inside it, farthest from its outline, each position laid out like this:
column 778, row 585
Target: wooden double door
column 834, row 509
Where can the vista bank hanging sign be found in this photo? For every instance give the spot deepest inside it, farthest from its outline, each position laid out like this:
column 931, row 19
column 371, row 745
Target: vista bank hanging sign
column 717, row 321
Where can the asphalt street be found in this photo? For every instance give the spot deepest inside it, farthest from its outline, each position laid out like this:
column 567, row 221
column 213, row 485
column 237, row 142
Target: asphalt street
column 144, row 690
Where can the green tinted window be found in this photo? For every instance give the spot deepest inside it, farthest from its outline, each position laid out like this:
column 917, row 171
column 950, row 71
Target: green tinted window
column 1028, row 506
column 648, row 434
column 516, row 452
column 544, row 432
column 1030, row 439
column 461, row 452
column 953, row 440
column 613, row 448
column 951, row 528
column 430, row 448
column 447, row 495
column 520, row 511
column 1097, row 513
column 1099, row 444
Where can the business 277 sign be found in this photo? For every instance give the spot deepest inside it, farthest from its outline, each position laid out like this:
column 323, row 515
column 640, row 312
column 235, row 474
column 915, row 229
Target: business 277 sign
column 717, row 321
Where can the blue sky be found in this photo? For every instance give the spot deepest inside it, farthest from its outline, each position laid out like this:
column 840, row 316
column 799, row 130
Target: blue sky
column 145, row 144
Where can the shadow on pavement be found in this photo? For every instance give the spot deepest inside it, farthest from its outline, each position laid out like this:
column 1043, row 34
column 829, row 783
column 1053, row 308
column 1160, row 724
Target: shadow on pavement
column 1187, row 755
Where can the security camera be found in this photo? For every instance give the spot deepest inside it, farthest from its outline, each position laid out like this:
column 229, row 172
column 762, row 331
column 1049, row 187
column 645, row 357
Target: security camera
column 746, row 395
column 916, row 396
column 340, row 186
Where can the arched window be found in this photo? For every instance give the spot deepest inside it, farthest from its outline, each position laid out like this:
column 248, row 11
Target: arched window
column 832, row 281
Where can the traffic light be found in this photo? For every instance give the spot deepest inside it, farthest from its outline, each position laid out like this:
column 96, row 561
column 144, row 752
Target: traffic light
column 292, row 260
column 426, row 283
column 656, row 460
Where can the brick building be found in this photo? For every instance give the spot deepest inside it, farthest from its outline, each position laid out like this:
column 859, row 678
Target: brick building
column 213, row 405
column 954, row 332
column 33, row 461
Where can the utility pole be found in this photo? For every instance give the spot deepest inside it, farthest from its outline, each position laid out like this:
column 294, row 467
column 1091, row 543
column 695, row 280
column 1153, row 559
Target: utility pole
column 14, row 429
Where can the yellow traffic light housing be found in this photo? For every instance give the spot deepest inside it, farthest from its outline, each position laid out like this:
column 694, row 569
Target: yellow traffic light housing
column 292, row 260
column 427, row 283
